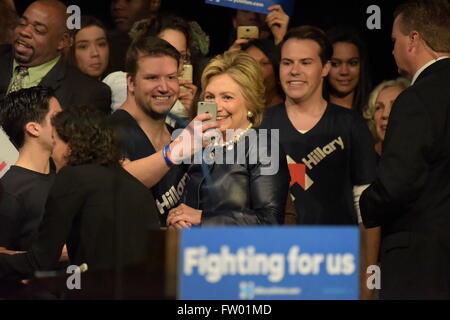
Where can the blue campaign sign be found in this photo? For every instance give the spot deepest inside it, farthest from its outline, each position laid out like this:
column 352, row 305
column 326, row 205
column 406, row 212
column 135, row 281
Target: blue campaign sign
column 259, row 6
column 233, row 263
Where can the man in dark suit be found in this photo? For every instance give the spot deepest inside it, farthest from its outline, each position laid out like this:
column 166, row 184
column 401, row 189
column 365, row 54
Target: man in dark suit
column 410, row 198
column 35, row 59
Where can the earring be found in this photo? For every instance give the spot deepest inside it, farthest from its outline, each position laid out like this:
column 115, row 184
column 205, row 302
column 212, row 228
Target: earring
column 249, row 114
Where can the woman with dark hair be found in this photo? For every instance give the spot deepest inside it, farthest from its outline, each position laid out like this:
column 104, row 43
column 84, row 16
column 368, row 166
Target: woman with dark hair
column 95, row 207
column 348, row 83
column 267, row 54
column 90, row 48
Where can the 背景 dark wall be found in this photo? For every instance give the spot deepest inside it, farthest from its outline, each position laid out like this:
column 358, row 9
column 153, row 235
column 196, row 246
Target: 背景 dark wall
column 216, row 21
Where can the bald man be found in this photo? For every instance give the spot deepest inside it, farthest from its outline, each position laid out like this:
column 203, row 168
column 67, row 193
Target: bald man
column 35, row 59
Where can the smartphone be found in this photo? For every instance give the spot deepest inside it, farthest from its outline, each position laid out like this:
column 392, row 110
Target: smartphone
column 207, row 107
column 187, row 72
column 248, row 32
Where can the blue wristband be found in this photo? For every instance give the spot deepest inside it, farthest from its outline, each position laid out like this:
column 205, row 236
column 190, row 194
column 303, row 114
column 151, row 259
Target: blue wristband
column 165, row 152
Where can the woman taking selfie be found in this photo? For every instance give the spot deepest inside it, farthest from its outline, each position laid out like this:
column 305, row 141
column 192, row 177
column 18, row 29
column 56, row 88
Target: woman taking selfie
column 248, row 190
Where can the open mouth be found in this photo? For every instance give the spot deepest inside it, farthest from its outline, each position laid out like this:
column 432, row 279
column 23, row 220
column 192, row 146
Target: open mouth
column 296, row 83
column 221, row 118
column 161, row 98
column 22, row 45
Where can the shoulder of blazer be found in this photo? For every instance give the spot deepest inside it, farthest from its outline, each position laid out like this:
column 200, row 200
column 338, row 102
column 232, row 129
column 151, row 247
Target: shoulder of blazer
column 67, row 75
column 55, row 75
column 81, row 80
column 438, row 66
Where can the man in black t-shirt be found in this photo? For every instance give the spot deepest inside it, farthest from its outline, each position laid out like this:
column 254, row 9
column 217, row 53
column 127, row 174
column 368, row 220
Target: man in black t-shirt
column 26, row 118
column 152, row 67
column 329, row 148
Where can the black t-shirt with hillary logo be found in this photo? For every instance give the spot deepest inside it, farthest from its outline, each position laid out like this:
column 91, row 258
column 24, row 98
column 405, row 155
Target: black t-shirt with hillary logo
column 325, row 163
column 136, row 145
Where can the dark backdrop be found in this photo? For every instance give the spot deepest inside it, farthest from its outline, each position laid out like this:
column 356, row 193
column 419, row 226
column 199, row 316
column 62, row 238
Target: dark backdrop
column 216, row 21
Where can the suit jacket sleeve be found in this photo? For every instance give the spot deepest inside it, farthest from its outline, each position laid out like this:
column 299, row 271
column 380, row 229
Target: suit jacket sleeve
column 404, row 167
column 363, row 159
column 64, row 202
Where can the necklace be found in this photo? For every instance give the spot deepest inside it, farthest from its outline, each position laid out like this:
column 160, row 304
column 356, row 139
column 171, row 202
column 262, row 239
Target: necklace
column 229, row 144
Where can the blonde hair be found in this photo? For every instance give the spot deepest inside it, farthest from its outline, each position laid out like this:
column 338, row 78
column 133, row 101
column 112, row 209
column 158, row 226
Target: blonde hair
column 246, row 72
column 369, row 112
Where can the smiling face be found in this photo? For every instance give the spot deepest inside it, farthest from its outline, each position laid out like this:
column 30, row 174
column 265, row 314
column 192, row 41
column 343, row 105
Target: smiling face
column 345, row 68
column 383, row 106
column 301, row 70
column 91, row 51
column 39, row 36
column 231, row 104
column 155, row 86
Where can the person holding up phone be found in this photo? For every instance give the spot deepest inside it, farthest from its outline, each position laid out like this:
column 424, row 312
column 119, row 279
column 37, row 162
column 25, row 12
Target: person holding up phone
column 240, row 191
column 153, row 87
column 251, row 25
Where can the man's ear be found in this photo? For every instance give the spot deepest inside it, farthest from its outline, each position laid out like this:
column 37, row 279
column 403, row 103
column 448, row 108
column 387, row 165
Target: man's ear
column 130, row 83
column 33, row 129
column 326, row 69
column 414, row 40
column 65, row 41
